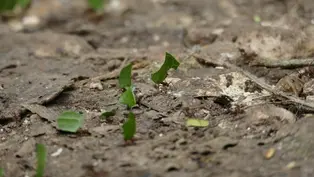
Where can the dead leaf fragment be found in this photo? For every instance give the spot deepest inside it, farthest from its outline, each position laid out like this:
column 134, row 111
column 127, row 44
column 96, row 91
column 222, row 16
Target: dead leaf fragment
column 270, row 153
column 263, row 112
column 44, row 112
column 26, row 148
column 291, row 165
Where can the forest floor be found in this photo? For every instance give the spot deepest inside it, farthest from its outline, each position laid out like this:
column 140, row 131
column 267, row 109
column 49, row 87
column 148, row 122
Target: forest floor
column 72, row 62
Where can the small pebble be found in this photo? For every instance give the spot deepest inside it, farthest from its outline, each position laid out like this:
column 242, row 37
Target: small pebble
column 124, row 40
column 165, row 44
column 26, row 122
column 218, row 31
column 96, row 85
column 156, row 38
column 15, row 25
column 57, row 153
column 31, row 21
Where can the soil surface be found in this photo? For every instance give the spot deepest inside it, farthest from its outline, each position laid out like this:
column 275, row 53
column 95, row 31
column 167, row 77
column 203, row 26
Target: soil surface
column 70, row 60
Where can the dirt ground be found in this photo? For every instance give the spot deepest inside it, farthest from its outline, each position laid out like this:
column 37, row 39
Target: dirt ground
column 70, row 61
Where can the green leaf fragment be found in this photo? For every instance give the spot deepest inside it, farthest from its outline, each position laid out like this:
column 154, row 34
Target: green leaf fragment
column 107, row 114
column 257, row 19
column 129, row 127
column 128, row 97
column 7, row 5
column 197, row 123
column 1, row 172
column 24, row 3
column 125, row 76
column 10, row 5
column 96, row 5
column 70, row 121
column 41, row 159
column 170, row 62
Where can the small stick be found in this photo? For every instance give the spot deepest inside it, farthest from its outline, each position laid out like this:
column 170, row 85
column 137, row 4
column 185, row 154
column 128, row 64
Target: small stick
column 292, row 63
column 224, row 62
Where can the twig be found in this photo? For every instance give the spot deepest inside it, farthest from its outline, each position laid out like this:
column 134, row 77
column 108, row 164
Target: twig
column 292, row 63
column 9, row 66
column 224, row 62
